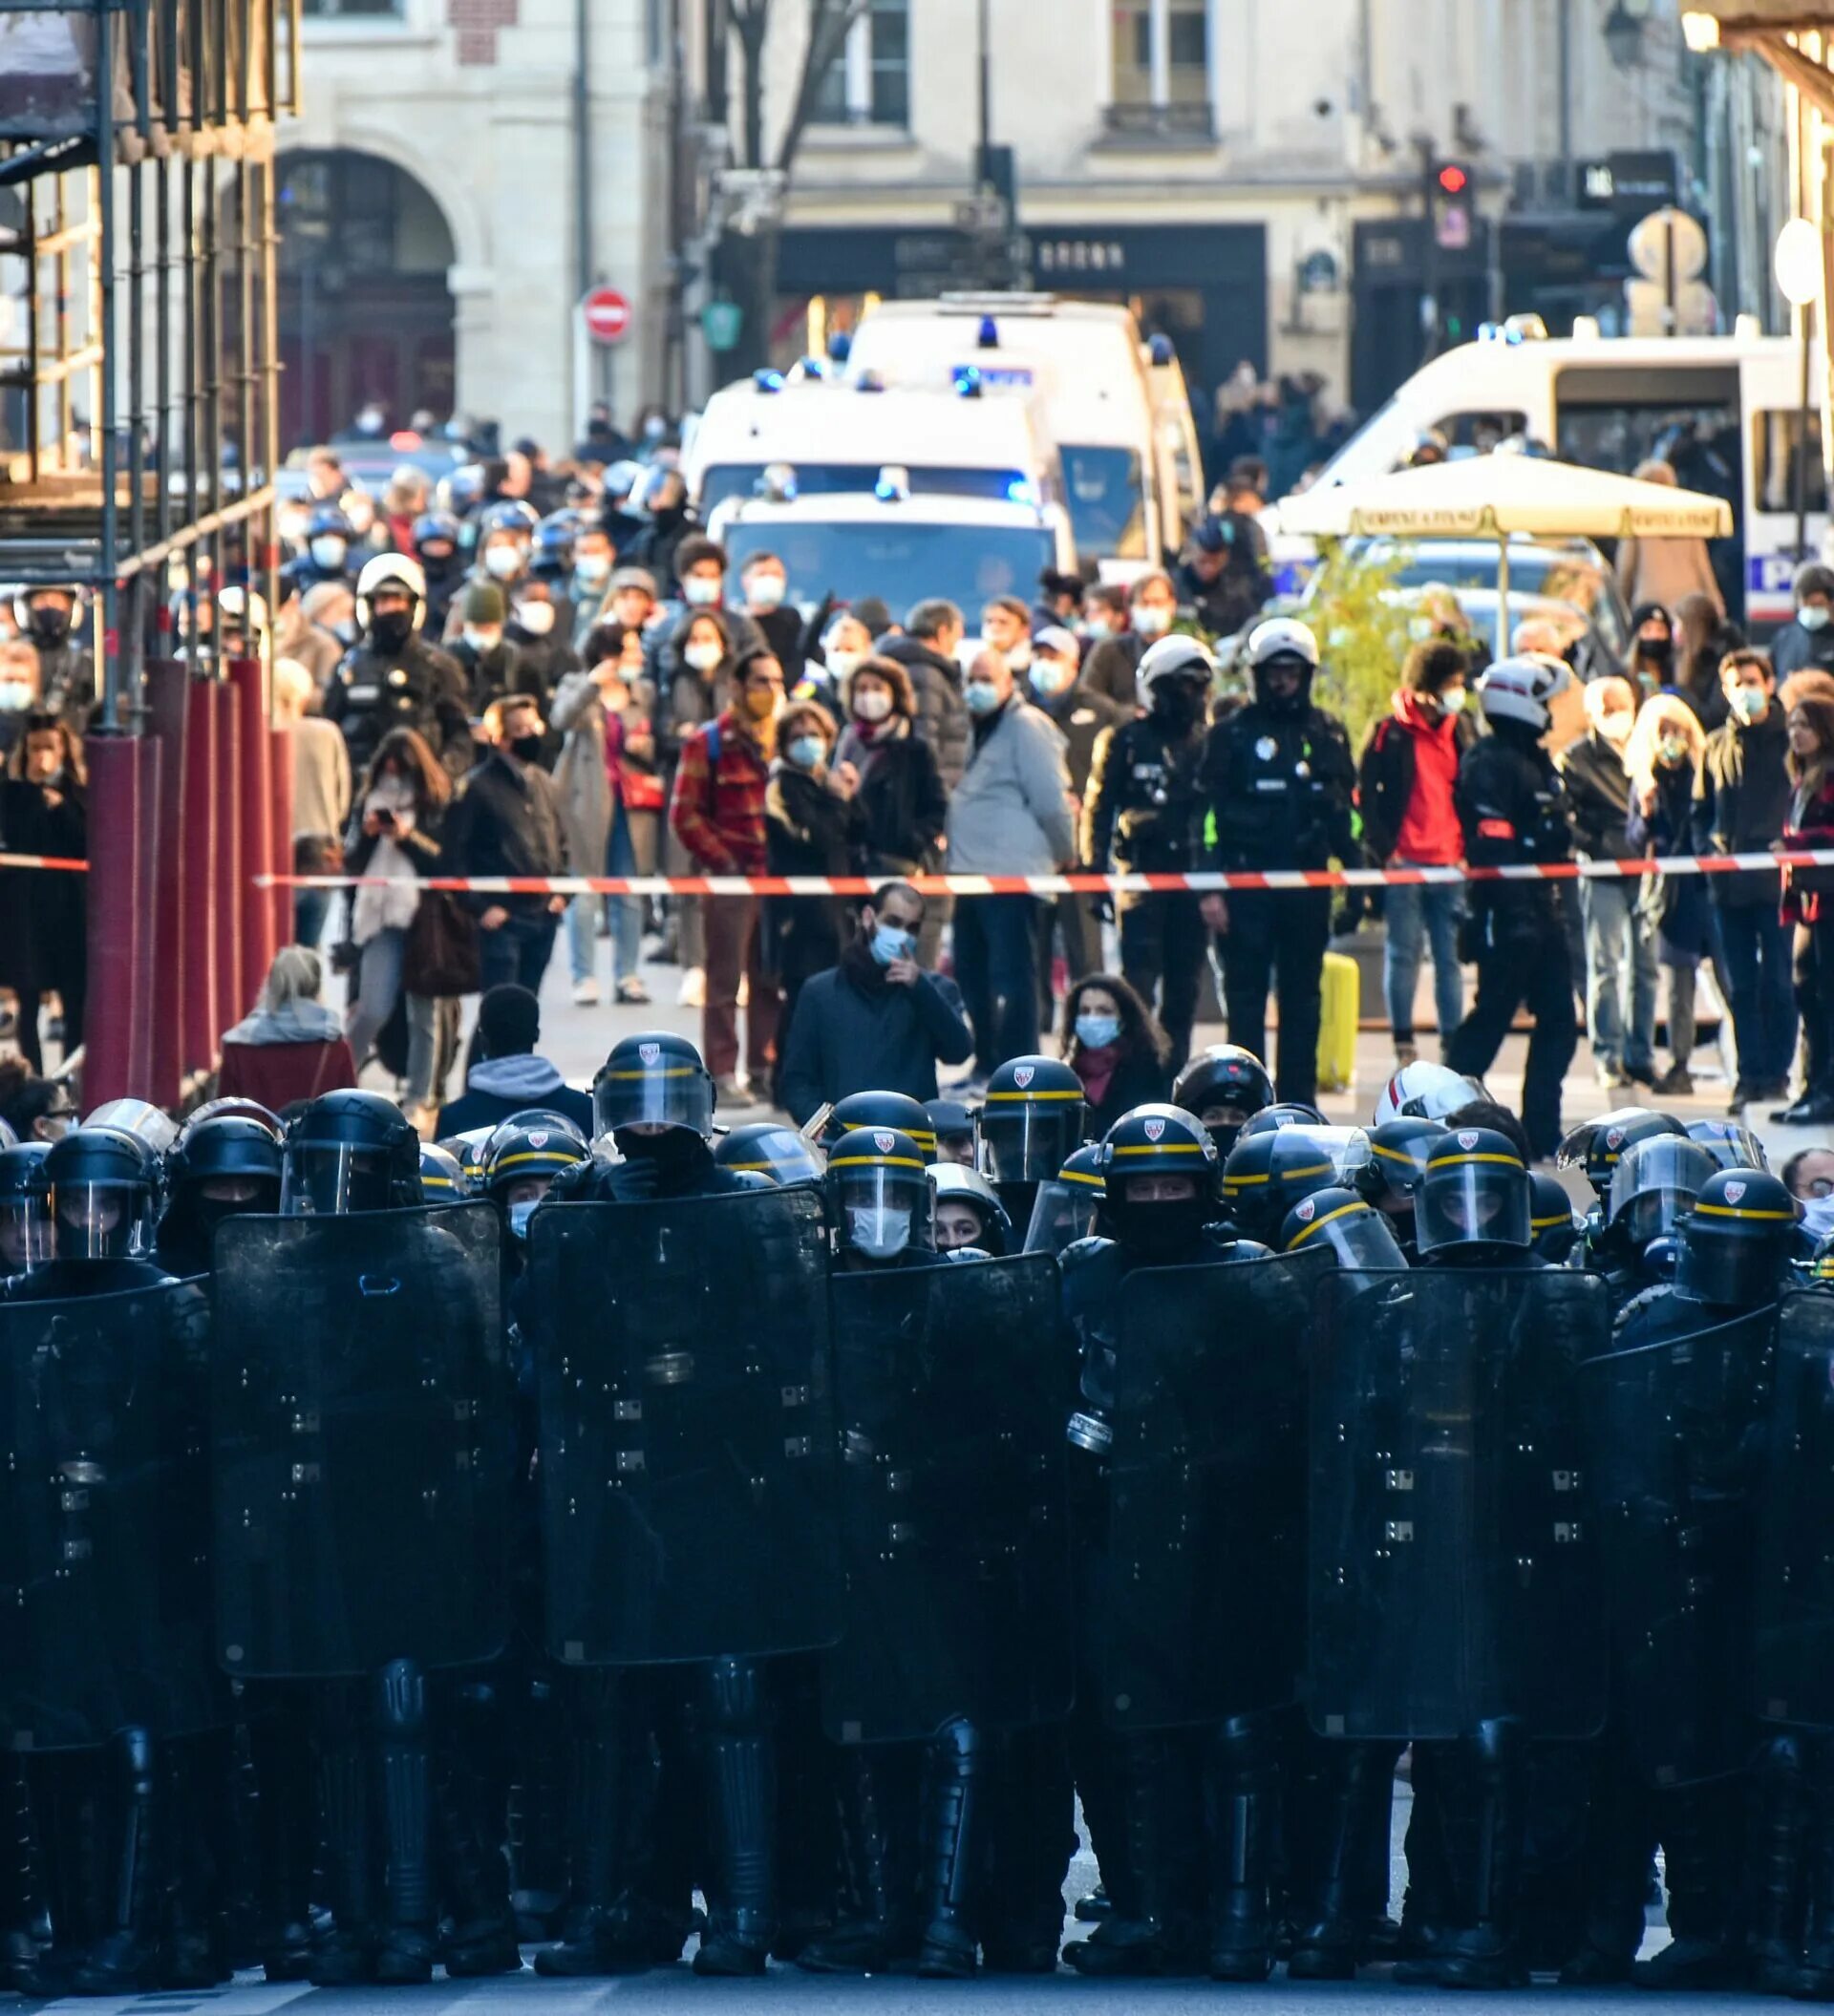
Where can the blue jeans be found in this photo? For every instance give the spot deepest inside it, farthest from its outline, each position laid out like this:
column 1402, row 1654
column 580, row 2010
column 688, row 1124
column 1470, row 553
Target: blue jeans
column 517, row 950
column 627, row 912
column 310, row 908
column 1756, row 951
column 1415, row 913
column 1620, row 965
column 379, row 982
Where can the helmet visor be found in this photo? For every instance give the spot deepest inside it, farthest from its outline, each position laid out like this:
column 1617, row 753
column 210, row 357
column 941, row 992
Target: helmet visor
column 333, row 1178
column 1031, row 1140
column 1473, row 1203
column 1063, row 1213
column 671, row 1093
column 882, row 1212
column 1358, row 1236
column 25, row 1233
column 785, row 1157
column 100, row 1220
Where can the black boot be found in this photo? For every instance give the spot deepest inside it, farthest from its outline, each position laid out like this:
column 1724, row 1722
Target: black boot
column 1814, row 1978
column 122, row 1960
column 286, row 1834
column 344, row 1953
column 1484, row 1951
column 742, row 1796
column 404, row 1950
column 878, row 1799
column 1358, row 1794
column 1779, row 1879
column 1617, row 1862
column 22, row 1909
column 1240, row 1793
column 66, row 1794
column 1027, row 1825
column 1427, row 1905
column 612, row 1778
column 537, row 1810
column 1153, row 1929
column 952, row 1803
column 195, row 1791
column 474, row 1807
column 1700, row 1830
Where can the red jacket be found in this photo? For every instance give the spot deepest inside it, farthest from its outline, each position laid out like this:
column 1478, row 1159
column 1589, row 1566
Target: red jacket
column 717, row 811
column 1404, row 785
column 1805, row 890
column 278, row 1073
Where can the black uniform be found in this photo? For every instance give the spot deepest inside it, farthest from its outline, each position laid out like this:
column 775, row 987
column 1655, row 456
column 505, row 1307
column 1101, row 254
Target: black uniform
column 1143, row 813
column 1279, row 783
column 417, row 687
column 1512, row 807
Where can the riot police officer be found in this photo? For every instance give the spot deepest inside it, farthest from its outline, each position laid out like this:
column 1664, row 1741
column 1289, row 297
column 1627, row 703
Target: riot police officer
column 1512, row 807
column 1032, row 1115
column 215, row 1169
column 1143, row 814
column 49, row 619
column 1278, row 777
column 880, row 1108
column 25, row 1209
column 325, row 549
column 1654, row 1183
column 101, row 1188
column 393, row 677
column 769, row 1149
column 970, row 1215
column 1224, row 1085
column 1069, row 1206
column 437, row 540
column 1391, row 1179
column 654, row 1100
column 1555, row 1224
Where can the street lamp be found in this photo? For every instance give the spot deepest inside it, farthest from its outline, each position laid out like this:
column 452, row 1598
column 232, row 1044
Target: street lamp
column 1797, row 262
column 1624, row 36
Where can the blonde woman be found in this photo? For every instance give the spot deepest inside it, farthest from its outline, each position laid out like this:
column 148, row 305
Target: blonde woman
column 1663, row 758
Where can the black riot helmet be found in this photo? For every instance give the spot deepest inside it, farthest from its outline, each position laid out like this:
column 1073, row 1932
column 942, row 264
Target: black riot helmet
column 1283, row 1113
column 25, row 1208
column 958, row 1190
column 442, row 1175
column 654, row 1080
column 1736, row 1240
column 1554, row 1227
column 219, row 1168
column 101, row 1184
column 1159, row 1173
column 768, row 1148
column 1245, row 1200
column 350, row 1151
column 1303, row 1159
column 231, row 1107
column 1224, row 1086
column 1067, row 1207
column 1656, row 1179
column 879, row 1194
column 522, row 1158
column 1338, row 1221
column 1398, row 1155
column 953, row 1126
column 1474, row 1199
column 1597, row 1146
column 1032, row 1116
column 881, row 1108
column 1731, row 1143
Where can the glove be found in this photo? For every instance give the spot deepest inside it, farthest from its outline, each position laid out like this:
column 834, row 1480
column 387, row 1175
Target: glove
column 632, row 1181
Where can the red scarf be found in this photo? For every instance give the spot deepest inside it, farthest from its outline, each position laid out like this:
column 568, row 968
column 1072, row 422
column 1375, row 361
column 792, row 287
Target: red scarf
column 1096, row 1067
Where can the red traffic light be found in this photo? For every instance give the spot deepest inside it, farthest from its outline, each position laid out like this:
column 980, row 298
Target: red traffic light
column 1453, row 179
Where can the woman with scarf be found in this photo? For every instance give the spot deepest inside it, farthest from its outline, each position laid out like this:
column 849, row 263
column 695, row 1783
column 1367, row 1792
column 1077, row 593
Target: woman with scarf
column 292, row 1048
column 1112, row 1043
column 902, row 804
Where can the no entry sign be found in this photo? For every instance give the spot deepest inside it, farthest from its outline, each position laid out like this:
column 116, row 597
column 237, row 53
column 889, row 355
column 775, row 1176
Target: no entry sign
column 606, row 315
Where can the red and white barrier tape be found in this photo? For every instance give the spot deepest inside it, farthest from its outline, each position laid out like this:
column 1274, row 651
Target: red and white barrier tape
column 41, row 861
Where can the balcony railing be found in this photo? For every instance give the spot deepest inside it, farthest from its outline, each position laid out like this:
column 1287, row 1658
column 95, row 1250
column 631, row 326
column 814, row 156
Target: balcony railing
column 1175, row 123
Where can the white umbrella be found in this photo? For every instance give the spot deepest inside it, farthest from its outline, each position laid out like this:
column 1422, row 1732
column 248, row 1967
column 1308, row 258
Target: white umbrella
column 1499, row 495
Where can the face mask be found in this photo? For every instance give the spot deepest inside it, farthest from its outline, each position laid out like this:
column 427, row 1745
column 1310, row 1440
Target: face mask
column 506, row 562
column 1617, row 728
column 391, row 628
column 1049, row 677
column 1750, row 703
column 1812, row 617
column 1152, row 620
column 872, row 706
column 1656, row 651
column 1175, row 703
column 703, row 657
column 328, row 553
column 1453, row 700
column 592, row 568
column 889, row 942
column 15, row 699
column 537, row 618
column 1097, row 1031
column 982, row 696
column 877, row 1231
column 700, row 591
column 763, row 705
column 345, row 631
column 845, row 663
column 654, row 428
column 1671, row 748
column 481, row 641
column 806, row 751
column 767, row 590
column 526, row 748
column 519, row 1216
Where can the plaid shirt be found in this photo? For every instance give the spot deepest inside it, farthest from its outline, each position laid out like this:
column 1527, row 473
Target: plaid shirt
column 717, row 811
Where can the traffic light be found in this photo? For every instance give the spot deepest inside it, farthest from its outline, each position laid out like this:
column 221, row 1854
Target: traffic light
column 1449, row 194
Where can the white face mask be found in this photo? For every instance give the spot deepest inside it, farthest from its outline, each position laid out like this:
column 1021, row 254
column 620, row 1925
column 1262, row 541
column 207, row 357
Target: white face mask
column 700, row 591
column 481, row 641
column 767, row 590
column 1617, row 728
column 327, row 552
column 845, row 663
column 703, row 657
column 537, row 618
column 16, row 697
column 872, row 705
column 1151, row 619
column 592, row 568
column 877, row 1230
column 1453, row 700
column 506, row 562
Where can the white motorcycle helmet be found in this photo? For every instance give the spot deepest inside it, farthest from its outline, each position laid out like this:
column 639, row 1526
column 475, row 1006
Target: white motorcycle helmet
column 1281, row 637
column 391, row 570
column 1425, row 1092
column 1174, row 658
column 1519, row 688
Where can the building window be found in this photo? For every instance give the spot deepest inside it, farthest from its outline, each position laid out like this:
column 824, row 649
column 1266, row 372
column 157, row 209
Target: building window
column 868, row 82
column 353, row 10
column 1161, row 55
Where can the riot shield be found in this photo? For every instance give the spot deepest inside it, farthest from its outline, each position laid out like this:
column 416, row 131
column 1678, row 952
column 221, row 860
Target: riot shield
column 105, row 1519
column 953, row 1383
column 1794, row 1665
column 1454, row 1567
column 363, row 1442
column 1197, row 1607
column 1669, row 1445
column 687, row 1428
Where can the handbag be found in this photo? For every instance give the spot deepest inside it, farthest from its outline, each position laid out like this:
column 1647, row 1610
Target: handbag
column 640, row 790
column 441, row 957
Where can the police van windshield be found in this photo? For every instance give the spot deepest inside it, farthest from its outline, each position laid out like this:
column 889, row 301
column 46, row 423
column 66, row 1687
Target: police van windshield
column 741, row 479
column 1107, row 507
column 900, row 561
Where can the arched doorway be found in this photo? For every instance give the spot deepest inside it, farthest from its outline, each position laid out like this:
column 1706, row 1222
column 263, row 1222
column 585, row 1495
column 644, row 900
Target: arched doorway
column 365, row 312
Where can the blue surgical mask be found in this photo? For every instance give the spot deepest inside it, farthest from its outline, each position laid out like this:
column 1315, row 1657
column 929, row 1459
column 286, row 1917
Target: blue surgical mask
column 1097, row 1031
column 1750, row 703
column 1049, row 677
column 519, row 1216
column 805, row 751
column 982, row 695
column 889, row 942
column 1812, row 617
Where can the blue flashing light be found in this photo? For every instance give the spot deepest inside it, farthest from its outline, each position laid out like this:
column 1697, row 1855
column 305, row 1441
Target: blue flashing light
column 988, row 336
column 967, row 379
column 839, row 346
column 768, row 381
column 1020, row 491
column 1160, row 349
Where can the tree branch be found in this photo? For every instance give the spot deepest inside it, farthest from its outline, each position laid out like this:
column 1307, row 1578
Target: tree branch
column 830, row 21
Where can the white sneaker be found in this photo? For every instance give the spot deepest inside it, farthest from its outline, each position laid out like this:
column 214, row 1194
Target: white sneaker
column 585, row 993
column 744, row 994
column 693, row 991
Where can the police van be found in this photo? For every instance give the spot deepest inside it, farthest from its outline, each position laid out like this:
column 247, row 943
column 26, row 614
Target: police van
column 1726, row 412
column 1086, row 364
